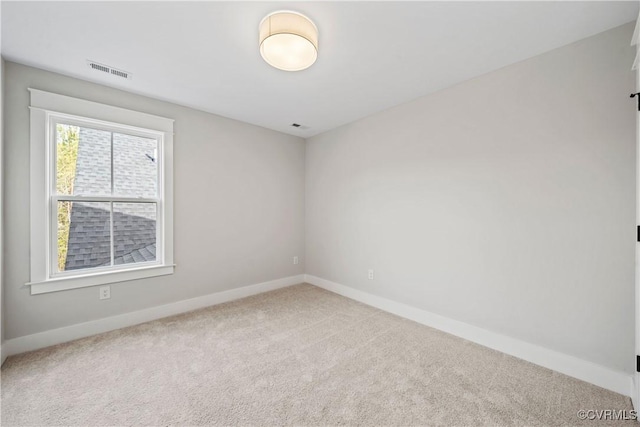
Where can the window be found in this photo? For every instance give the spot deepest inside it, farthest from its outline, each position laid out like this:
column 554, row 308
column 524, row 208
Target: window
column 101, row 194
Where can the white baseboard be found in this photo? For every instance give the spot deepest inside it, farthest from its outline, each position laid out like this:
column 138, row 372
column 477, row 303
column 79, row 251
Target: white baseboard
column 619, row 382
column 601, row 376
column 81, row 330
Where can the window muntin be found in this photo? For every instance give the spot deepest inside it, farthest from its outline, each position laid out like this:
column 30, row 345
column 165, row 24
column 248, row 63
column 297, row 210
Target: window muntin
column 105, row 198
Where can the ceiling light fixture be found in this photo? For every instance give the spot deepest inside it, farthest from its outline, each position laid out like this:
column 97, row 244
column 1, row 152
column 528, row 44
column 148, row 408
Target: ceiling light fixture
column 288, row 40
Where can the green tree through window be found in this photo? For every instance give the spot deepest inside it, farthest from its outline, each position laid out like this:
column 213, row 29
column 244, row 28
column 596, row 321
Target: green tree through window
column 67, row 138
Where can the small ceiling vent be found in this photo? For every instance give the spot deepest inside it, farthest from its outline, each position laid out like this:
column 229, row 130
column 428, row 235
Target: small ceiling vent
column 108, row 70
column 299, row 126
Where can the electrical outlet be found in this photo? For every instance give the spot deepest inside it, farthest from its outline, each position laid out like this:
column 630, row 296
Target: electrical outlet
column 105, row 292
column 295, row 260
column 370, row 274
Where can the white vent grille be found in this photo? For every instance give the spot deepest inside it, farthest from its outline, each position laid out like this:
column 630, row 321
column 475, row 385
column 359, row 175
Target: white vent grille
column 108, row 70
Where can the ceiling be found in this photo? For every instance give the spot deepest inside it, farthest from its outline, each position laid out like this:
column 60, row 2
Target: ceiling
column 372, row 55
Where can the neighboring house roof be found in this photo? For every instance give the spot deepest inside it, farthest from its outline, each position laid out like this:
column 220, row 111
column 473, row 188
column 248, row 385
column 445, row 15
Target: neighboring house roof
column 134, row 224
column 148, row 253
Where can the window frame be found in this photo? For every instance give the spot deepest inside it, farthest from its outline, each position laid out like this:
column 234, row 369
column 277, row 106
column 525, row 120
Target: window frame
column 47, row 110
column 55, row 119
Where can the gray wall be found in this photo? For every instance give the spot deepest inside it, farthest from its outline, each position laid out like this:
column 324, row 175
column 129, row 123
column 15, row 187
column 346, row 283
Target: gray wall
column 2, row 322
column 239, row 208
column 507, row 201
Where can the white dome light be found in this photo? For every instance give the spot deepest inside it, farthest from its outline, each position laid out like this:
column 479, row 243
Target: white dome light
column 288, row 41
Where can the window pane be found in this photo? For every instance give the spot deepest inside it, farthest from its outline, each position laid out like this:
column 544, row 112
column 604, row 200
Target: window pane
column 66, row 156
column 83, row 161
column 83, row 235
column 135, row 166
column 134, row 232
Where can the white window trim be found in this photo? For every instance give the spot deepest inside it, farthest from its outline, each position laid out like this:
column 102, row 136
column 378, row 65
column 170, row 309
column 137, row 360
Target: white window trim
column 44, row 107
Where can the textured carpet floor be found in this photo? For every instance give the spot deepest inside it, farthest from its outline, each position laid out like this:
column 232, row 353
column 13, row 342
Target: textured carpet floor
column 299, row 355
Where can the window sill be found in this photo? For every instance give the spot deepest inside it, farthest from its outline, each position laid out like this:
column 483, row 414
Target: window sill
column 102, row 278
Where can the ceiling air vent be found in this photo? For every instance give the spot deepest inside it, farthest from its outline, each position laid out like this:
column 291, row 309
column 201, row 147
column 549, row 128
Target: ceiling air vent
column 109, row 70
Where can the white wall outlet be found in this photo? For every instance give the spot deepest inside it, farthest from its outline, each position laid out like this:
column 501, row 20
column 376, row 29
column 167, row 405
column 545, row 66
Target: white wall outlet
column 295, row 260
column 370, row 274
column 105, row 292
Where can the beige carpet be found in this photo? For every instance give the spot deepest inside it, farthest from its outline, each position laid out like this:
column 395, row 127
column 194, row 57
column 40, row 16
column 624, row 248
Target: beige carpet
column 300, row 356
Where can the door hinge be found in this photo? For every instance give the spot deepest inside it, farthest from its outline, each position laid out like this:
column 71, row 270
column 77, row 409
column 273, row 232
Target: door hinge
column 638, row 236
column 637, row 363
column 633, row 95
